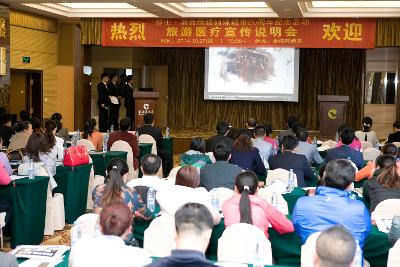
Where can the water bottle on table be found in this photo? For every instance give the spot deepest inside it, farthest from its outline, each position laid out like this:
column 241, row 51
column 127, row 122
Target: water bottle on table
column 215, row 199
column 290, row 184
column 274, row 200
column 258, row 258
column 112, row 128
column 337, row 137
column 76, row 234
column 167, row 133
column 151, row 199
column 105, row 141
column 31, row 172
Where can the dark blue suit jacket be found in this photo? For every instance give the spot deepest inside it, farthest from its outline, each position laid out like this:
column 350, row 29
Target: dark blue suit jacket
column 346, row 152
column 289, row 160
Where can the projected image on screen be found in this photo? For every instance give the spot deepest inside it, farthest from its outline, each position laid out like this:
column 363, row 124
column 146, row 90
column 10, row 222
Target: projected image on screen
column 263, row 74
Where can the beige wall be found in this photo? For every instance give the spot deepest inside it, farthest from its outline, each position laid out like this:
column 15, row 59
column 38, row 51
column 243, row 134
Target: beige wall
column 42, row 47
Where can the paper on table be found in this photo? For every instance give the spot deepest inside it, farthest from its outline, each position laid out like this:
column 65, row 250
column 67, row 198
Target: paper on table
column 230, row 264
column 384, row 225
column 16, row 177
column 40, row 252
column 308, row 188
column 114, row 100
column 40, row 263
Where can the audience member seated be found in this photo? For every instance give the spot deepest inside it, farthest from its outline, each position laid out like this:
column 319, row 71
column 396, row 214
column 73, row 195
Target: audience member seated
column 6, row 163
column 264, row 147
column 124, row 135
column 151, row 169
column 246, row 207
column 24, row 116
column 288, row 159
column 115, row 190
column 221, row 173
column 108, row 248
column 56, row 143
column 194, row 224
column 5, row 206
column 355, row 144
column 186, row 190
column 39, row 150
column 332, row 205
column 63, row 132
column 345, row 151
column 8, row 260
column 272, row 141
column 306, row 149
column 394, row 137
column 37, row 125
column 290, row 121
column 5, row 129
column 385, row 184
column 335, row 247
column 23, row 131
column 245, row 156
column 366, row 134
column 196, row 155
column 368, row 170
column 90, row 133
column 155, row 132
column 222, row 132
column 251, row 125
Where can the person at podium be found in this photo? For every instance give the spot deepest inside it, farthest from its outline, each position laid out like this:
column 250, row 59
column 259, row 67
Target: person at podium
column 129, row 101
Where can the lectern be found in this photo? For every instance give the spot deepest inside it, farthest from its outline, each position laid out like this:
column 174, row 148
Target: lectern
column 332, row 113
column 145, row 102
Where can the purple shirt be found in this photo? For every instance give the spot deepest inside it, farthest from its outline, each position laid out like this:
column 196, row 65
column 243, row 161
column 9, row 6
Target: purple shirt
column 6, row 162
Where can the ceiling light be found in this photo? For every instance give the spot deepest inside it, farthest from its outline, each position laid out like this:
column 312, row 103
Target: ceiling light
column 225, row 4
column 355, row 4
column 98, row 5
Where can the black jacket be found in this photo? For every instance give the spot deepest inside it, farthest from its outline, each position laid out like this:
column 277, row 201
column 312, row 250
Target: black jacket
column 155, row 132
column 216, row 139
column 128, row 95
column 103, row 94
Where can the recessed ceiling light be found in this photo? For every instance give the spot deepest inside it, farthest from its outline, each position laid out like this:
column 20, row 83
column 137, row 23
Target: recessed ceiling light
column 98, row 5
column 355, row 4
column 225, row 4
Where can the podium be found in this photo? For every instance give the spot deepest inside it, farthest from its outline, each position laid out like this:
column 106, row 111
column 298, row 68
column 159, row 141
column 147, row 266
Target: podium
column 145, row 102
column 332, row 114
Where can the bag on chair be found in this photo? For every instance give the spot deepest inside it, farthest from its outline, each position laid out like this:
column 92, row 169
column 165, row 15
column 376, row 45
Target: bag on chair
column 75, row 156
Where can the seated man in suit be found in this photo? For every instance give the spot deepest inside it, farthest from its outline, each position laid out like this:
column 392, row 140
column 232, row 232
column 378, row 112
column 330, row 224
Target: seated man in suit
column 155, row 132
column 288, row 159
column 193, row 224
column 345, row 151
column 222, row 132
column 332, row 205
column 290, row 121
column 306, row 149
column 221, row 173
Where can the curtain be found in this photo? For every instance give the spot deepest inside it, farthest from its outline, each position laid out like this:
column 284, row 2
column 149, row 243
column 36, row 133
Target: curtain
column 91, row 31
column 322, row 72
column 387, row 32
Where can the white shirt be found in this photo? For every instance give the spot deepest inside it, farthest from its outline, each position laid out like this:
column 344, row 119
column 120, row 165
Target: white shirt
column 58, row 148
column 371, row 136
column 150, row 181
column 106, row 250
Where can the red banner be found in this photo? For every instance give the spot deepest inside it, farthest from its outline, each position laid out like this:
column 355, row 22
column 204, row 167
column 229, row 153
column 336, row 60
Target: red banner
column 232, row 32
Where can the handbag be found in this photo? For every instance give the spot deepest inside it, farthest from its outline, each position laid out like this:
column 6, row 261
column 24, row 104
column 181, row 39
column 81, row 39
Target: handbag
column 75, row 156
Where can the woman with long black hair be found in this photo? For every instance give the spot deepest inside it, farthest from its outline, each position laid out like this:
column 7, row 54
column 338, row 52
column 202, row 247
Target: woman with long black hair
column 366, row 134
column 246, row 207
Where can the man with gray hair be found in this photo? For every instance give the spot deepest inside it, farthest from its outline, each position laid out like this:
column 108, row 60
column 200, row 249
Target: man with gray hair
column 335, row 247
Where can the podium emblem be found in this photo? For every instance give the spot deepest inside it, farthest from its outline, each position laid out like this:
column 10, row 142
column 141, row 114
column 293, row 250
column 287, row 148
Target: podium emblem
column 332, row 114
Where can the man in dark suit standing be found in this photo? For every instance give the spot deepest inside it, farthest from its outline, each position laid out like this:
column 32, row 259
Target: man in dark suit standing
column 289, row 160
column 155, row 132
column 129, row 101
column 103, row 102
column 113, row 90
column 221, row 136
column 347, row 136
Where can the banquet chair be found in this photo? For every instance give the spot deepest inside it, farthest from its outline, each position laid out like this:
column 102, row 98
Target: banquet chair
column 231, row 249
column 159, row 237
column 211, row 156
column 223, row 195
column 365, row 145
column 86, row 143
column 59, row 212
column 371, row 154
column 279, row 174
column 88, row 225
column 124, row 146
column 387, row 209
column 145, row 138
column 2, row 224
column 329, row 143
column 172, row 174
column 394, row 255
column 266, row 194
column 308, row 250
column 94, row 180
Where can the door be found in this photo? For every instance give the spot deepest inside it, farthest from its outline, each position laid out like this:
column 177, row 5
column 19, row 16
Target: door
column 158, row 80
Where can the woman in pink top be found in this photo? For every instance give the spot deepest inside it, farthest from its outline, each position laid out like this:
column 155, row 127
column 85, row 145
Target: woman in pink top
column 272, row 141
column 246, row 207
column 356, row 144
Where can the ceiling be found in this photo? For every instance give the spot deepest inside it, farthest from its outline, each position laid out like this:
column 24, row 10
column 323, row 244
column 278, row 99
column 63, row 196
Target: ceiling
column 74, row 9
